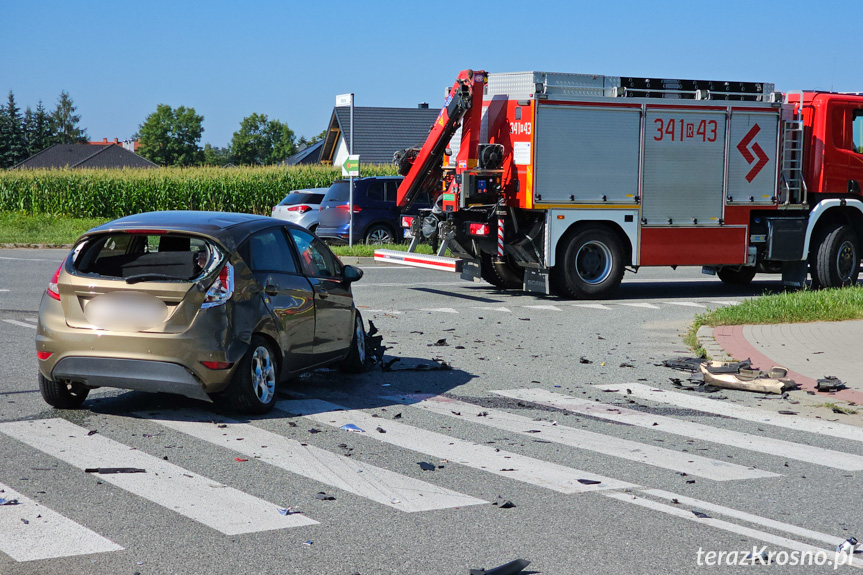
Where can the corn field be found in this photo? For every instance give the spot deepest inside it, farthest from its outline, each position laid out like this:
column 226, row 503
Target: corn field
column 117, row 193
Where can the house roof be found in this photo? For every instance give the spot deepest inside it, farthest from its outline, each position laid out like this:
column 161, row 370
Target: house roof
column 308, row 155
column 85, row 156
column 378, row 132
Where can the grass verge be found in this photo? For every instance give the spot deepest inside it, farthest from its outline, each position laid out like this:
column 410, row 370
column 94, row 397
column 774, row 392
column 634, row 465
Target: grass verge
column 363, row 250
column 43, row 229
column 788, row 307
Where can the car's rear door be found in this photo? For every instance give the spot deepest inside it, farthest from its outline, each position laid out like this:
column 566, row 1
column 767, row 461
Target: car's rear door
column 333, row 299
column 287, row 293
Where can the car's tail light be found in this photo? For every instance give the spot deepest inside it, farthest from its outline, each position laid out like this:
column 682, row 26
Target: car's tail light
column 52, row 291
column 302, row 209
column 43, row 355
column 347, row 208
column 407, row 221
column 217, row 364
column 478, row 229
column 222, row 289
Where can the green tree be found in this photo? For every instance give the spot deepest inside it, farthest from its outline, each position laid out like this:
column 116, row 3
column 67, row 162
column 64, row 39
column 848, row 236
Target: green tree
column 64, row 122
column 13, row 142
column 170, row 137
column 313, row 139
column 216, row 156
column 39, row 134
column 262, row 141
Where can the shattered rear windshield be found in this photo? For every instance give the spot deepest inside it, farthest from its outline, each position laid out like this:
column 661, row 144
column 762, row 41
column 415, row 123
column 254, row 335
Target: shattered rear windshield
column 146, row 257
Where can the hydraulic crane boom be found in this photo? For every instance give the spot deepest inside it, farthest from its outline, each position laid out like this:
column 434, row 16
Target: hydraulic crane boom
column 423, row 168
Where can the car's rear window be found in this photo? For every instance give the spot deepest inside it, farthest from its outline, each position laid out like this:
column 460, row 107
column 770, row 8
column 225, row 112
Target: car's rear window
column 297, row 198
column 338, row 192
column 147, row 257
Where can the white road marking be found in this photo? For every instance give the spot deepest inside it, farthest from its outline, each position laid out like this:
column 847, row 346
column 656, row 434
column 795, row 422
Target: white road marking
column 380, row 485
column 548, row 307
column 690, row 429
column 225, row 509
column 591, row 306
column 20, row 323
column 686, row 304
column 644, row 305
column 499, row 462
column 4, row 290
column 406, row 285
column 46, row 535
column 500, row 309
column 24, row 259
column 581, row 439
column 683, row 513
column 725, row 302
column 743, row 516
column 715, row 406
column 440, row 309
column 389, row 311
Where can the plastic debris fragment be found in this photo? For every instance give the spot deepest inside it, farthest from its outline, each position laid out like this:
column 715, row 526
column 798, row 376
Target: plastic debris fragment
column 8, row 501
column 352, row 427
column 109, row 470
column 510, row 568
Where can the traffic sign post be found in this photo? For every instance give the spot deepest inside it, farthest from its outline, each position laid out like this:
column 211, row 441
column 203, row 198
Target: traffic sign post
column 354, row 161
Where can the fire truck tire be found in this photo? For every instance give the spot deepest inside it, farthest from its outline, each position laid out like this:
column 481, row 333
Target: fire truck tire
column 837, row 262
column 503, row 275
column 738, row 276
column 591, row 265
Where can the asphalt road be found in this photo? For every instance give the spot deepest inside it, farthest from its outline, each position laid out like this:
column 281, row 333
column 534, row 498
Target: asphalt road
column 536, row 400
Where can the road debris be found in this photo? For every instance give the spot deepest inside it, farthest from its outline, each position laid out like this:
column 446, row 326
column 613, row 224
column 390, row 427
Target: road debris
column 589, row 482
column 8, row 501
column 352, row 428
column 289, row 510
column 700, row 514
column 381, row 430
column 240, row 459
column 505, row 505
column 829, row 383
column 583, row 359
column 848, row 546
column 110, row 470
column 426, row 466
column 322, row 496
column 510, row 568
column 730, row 375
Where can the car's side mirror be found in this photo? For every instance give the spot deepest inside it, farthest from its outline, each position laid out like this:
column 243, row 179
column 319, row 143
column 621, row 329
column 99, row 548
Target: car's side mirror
column 352, row 273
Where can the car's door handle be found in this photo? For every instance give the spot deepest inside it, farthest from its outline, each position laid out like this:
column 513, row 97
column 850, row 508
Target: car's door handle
column 323, row 293
column 272, row 288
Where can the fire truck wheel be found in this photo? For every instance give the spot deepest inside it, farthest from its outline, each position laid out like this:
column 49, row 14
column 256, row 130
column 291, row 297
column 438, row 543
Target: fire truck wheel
column 591, row 266
column 738, row 276
column 503, row 275
column 837, row 262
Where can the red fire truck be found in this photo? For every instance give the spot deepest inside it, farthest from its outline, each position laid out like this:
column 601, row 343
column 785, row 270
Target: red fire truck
column 557, row 183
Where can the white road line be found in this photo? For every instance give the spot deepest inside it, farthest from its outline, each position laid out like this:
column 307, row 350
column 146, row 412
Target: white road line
column 685, row 304
column 581, row 439
column 440, row 309
column 380, row 485
column 4, row 290
column 743, row 516
column 690, row 429
column 707, row 405
column 725, row 302
column 487, row 458
column 389, row 311
column 24, row 259
column 591, row 306
column 20, row 323
column 548, row 307
column 46, row 535
column 501, row 309
column 644, row 305
column 687, row 514
column 407, row 285
column 225, row 509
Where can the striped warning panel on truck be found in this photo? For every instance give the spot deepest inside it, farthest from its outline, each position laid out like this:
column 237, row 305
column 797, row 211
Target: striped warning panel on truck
column 419, row 260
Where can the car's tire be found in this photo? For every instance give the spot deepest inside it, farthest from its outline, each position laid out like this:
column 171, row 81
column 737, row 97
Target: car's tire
column 379, row 234
column 357, row 359
column 502, row 275
column 738, row 276
column 253, row 388
column 62, row 394
column 312, row 228
column 589, row 264
column 837, row 259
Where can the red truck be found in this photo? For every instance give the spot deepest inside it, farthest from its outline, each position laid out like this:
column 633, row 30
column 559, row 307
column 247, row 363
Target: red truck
column 557, row 183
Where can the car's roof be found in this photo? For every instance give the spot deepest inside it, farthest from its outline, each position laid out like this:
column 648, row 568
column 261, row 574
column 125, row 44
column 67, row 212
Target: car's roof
column 227, row 227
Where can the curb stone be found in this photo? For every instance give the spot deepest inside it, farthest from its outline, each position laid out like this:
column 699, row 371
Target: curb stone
column 711, row 347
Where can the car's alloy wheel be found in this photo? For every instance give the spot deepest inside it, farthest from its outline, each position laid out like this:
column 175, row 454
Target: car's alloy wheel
column 253, row 389
column 357, row 358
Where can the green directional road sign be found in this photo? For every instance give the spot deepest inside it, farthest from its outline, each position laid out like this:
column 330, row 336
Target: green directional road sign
column 351, row 166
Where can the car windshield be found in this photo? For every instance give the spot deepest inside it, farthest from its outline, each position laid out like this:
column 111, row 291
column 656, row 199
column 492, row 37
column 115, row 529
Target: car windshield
column 295, row 198
column 338, row 192
column 137, row 257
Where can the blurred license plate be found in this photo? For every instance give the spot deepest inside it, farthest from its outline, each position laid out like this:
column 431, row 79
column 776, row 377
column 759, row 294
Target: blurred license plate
column 408, row 233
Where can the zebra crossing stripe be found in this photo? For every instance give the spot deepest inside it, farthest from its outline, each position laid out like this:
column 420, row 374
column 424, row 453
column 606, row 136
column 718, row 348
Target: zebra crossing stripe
column 46, row 535
column 690, row 429
column 20, row 323
column 499, row 462
column 591, row 306
column 440, row 310
column 548, row 307
column 839, row 430
column 582, row 439
column 362, row 479
column 225, row 509
column 644, row 305
column 686, row 514
column 500, row 309
column 686, row 304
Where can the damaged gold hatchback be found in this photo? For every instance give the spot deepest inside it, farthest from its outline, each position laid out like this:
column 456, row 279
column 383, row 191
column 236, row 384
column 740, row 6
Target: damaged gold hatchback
column 196, row 304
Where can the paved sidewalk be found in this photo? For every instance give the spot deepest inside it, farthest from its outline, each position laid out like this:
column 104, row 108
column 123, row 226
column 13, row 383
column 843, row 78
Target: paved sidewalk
column 808, row 350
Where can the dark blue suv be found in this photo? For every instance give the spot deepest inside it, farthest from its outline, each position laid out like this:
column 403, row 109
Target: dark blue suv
column 377, row 218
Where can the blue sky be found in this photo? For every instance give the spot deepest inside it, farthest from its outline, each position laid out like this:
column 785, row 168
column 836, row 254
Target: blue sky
column 289, row 60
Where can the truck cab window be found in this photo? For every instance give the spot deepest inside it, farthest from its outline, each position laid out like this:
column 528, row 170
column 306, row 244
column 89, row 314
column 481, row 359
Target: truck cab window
column 857, row 131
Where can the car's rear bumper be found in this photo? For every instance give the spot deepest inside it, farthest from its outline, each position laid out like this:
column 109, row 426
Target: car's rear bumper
column 136, row 374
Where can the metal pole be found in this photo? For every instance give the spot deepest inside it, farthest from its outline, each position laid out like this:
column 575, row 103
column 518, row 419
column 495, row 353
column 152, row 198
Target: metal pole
column 351, row 184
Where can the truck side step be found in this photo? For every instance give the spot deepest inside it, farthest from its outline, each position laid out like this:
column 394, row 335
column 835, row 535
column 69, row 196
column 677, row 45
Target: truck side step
column 419, row 260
